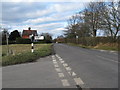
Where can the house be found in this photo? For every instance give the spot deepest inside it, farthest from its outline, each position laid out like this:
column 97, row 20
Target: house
column 60, row 39
column 27, row 33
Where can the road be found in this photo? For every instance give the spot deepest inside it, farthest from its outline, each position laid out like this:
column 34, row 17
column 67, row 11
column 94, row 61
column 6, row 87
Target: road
column 70, row 67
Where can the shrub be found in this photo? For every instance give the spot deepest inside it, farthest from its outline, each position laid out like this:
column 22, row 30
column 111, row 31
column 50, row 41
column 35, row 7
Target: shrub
column 91, row 41
column 23, row 41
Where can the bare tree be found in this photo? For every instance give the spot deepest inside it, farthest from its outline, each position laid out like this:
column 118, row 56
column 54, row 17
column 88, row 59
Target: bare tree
column 93, row 16
column 111, row 18
column 72, row 26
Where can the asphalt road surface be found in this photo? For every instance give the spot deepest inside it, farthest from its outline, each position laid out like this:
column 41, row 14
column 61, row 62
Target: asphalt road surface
column 70, row 67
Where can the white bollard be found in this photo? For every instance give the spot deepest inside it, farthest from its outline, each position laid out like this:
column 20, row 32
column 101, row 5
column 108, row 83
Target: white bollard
column 32, row 49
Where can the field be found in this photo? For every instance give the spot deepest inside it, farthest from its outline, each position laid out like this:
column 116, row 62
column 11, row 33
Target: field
column 20, row 48
column 21, row 53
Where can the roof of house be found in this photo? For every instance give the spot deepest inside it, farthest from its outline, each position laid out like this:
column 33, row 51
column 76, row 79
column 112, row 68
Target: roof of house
column 29, row 32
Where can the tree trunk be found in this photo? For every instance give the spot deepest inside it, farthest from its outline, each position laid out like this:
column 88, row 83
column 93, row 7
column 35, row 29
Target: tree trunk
column 94, row 32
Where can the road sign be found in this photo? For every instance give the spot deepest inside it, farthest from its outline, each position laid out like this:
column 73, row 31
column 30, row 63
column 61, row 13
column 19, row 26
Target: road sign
column 39, row 37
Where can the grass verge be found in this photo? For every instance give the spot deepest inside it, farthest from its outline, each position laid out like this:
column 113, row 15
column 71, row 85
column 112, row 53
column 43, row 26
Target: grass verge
column 107, row 46
column 27, row 56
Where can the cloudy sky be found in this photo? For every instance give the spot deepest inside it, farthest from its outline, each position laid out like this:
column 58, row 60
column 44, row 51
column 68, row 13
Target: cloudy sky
column 44, row 16
column 48, row 17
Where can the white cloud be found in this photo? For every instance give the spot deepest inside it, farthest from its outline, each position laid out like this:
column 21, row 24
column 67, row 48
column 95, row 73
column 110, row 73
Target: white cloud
column 66, row 7
column 45, row 17
column 43, row 1
column 39, row 13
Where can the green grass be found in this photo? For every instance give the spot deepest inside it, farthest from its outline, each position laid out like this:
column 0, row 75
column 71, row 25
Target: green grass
column 20, row 48
column 106, row 46
column 26, row 56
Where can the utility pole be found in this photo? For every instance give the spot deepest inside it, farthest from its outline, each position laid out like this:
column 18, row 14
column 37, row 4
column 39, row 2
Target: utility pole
column 7, row 42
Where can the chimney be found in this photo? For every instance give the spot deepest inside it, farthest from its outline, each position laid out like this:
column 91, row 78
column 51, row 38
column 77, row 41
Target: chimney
column 29, row 28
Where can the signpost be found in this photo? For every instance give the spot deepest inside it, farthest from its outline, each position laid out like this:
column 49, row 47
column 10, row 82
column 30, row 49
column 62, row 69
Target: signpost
column 39, row 37
column 32, row 45
column 35, row 38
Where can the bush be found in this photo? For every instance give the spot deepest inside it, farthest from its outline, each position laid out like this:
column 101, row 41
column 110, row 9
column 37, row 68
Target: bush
column 23, row 41
column 40, row 42
column 91, row 41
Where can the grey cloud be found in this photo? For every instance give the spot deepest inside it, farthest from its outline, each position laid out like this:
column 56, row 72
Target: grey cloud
column 17, row 12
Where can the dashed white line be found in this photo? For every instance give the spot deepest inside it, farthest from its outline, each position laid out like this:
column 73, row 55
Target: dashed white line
column 78, row 81
column 112, row 51
column 54, row 60
column 65, row 64
column 65, row 82
column 58, row 69
column 62, row 61
column 61, row 75
column 102, row 50
column 53, row 56
column 68, row 68
column 72, row 73
column 56, row 55
column 59, row 57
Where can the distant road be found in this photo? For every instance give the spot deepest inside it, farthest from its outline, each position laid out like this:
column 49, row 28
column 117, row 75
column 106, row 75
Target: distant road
column 70, row 67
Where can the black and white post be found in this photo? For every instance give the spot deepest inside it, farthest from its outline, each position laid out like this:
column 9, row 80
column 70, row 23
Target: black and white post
column 32, row 45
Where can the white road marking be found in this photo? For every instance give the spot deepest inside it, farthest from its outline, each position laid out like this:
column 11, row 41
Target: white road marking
column 54, row 60
column 72, row 73
column 56, row 55
column 112, row 51
column 78, row 81
column 107, row 59
column 65, row 82
column 62, row 61
column 68, row 68
column 53, row 56
column 59, row 57
column 58, row 69
column 65, row 64
column 61, row 75
column 102, row 50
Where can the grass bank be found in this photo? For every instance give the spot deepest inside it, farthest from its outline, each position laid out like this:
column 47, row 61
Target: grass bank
column 101, row 46
column 24, row 55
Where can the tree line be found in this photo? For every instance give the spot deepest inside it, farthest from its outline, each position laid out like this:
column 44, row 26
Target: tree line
column 15, row 37
column 102, row 16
